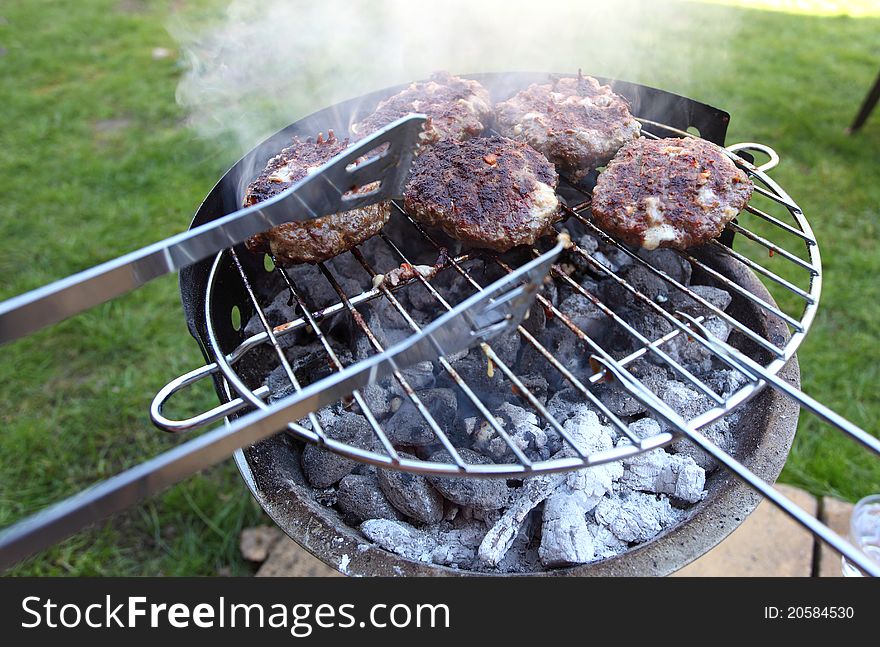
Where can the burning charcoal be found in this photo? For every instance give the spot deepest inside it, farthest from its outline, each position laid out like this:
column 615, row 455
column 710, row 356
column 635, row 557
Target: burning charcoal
column 408, row 427
column 412, row 494
column 378, row 400
column 618, row 400
column 565, row 538
column 694, row 355
column 612, row 258
column 726, row 381
column 565, row 403
column 662, row 473
column 522, row 427
column 537, row 386
column 648, row 323
column 645, row 428
column 419, row 376
column 654, row 287
column 636, row 517
column 506, row 346
column 458, row 547
column 486, row 494
column 501, row 536
column 669, row 262
column 474, row 370
column 322, row 467
column 591, row 437
column 281, row 310
column 605, row 543
column 401, row 538
column 361, row 498
column 587, row 316
column 317, row 290
column 715, row 296
column 689, row 404
column 588, row 243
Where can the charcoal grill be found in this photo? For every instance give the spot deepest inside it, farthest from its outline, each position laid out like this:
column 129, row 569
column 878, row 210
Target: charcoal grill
column 768, row 333
column 771, row 239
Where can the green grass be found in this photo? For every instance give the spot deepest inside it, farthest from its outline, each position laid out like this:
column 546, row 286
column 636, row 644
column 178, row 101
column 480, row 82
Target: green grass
column 96, row 159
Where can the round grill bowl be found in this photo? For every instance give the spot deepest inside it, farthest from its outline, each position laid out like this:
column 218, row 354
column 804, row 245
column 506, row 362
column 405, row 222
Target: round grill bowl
column 271, row 469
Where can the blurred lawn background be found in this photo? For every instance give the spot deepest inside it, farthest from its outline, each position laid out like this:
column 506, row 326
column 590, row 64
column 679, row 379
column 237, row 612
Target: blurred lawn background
column 97, row 158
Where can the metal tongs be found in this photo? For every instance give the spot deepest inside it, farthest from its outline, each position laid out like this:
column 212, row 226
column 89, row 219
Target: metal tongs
column 498, row 309
column 325, row 192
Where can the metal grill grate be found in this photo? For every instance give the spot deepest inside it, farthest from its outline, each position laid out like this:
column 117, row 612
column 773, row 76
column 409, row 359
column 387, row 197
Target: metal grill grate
column 773, row 239
column 604, row 364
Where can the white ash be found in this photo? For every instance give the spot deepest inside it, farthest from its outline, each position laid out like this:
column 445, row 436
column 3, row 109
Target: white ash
column 442, row 544
column 457, row 547
column 565, row 537
column 636, row 517
column 522, row 427
column 657, row 471
column 401, row 538
column 689, row 403
column 500, row 537
column 605, row 543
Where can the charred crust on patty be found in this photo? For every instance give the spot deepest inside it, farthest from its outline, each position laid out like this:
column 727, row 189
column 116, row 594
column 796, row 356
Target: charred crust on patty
column 457, row 109
column 576, row 122
column 671, row 192
column 490, row 192
column 316, row 240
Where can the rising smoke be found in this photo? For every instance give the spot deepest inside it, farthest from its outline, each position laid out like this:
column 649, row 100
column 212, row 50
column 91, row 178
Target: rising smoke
column 265, row 63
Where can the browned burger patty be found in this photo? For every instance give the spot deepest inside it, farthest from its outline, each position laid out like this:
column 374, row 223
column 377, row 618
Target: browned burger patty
column 489, row 192
column 456, row 108
column 320, row 239
column 577, row 123
column 669, row 193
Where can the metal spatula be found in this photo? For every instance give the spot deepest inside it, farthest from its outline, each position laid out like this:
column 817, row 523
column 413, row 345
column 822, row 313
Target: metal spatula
column 322, row 193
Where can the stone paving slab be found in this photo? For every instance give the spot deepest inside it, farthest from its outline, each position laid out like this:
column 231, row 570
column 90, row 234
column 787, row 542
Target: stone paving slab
column 836, row 515
column 767, row 544
column 289, row 559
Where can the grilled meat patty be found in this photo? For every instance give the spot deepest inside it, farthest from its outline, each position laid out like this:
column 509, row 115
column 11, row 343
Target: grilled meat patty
column 456, row 108
column 576, row 122
column 488, row 192
column 316, row 240
column 669, row 193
